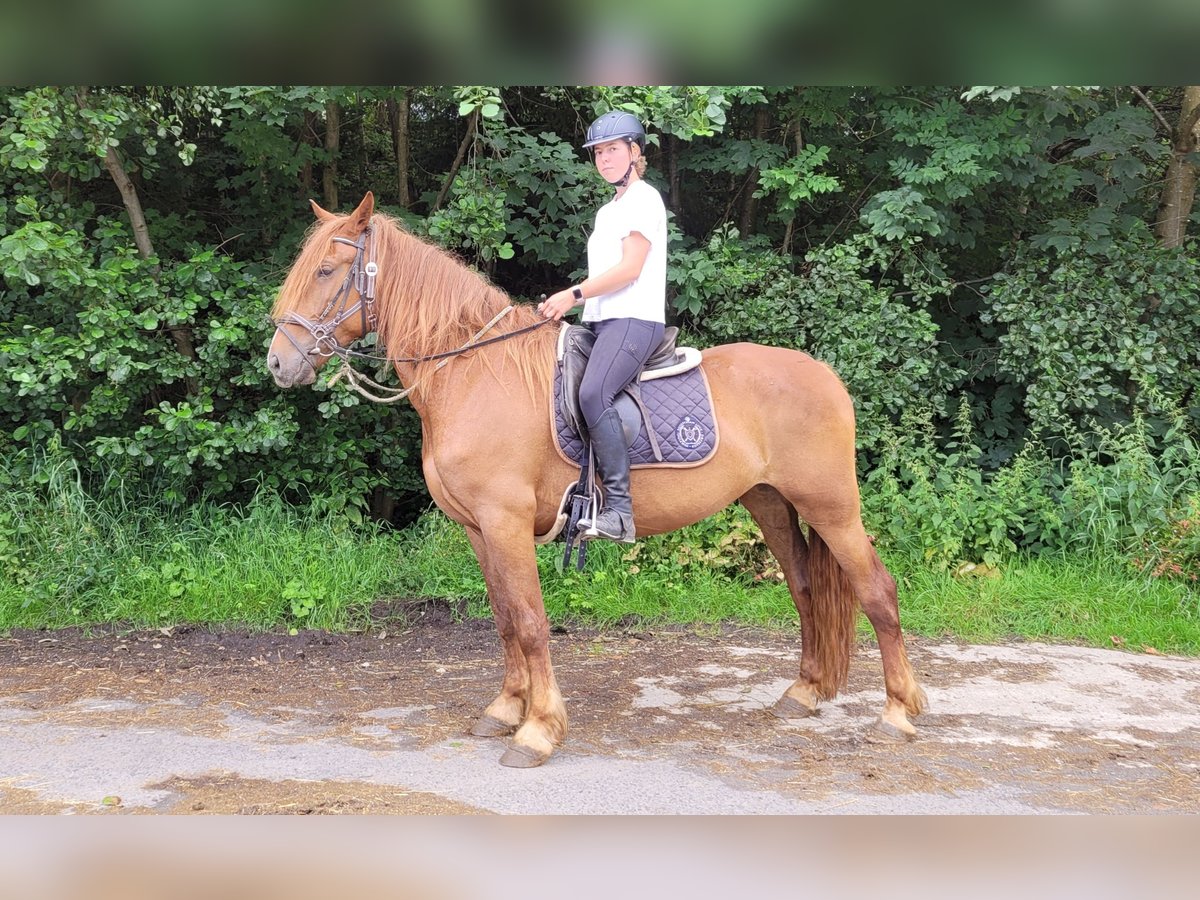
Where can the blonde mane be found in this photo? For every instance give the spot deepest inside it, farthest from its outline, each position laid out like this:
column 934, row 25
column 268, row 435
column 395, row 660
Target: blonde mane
column 429, row 302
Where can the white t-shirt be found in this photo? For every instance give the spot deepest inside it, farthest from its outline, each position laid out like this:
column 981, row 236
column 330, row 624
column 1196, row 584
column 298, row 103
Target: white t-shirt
column 639, row 209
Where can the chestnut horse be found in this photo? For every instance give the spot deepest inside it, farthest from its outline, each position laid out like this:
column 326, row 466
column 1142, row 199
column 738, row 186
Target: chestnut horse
column 786, row 452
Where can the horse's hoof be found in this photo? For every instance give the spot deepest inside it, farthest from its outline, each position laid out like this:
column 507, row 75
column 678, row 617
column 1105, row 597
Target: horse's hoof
column 490, row 726
column 889, row 733
column 518, row 757
column 788, row 707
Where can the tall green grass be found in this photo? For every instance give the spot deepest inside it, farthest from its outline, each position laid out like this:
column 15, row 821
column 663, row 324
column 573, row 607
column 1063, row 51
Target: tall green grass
column 69, row 556
column 1102, row 550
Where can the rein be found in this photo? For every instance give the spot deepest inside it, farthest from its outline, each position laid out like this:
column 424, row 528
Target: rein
column 361, row 278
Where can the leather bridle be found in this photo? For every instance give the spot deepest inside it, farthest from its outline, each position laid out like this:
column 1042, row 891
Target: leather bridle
column 361, row 278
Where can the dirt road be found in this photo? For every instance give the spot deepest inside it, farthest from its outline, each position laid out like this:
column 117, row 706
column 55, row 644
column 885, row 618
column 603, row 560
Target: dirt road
column 189, row 721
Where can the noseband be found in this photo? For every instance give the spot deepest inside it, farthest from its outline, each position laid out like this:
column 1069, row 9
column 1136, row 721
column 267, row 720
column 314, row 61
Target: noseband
column 362, row 277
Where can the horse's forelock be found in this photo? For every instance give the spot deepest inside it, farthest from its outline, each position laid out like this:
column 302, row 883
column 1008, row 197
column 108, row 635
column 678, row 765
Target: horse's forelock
column 298, row 279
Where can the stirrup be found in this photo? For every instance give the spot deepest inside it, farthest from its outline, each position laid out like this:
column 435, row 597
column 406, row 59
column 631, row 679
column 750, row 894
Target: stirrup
column 589, row 531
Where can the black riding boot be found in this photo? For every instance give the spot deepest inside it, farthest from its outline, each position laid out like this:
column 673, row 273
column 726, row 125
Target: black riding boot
column 615, row 519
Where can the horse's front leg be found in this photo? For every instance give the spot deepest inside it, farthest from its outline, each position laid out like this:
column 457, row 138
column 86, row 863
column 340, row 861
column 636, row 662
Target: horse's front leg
column 504, row 714
column 510, row 570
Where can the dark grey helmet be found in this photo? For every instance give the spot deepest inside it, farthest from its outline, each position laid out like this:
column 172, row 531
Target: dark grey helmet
column 615, row 125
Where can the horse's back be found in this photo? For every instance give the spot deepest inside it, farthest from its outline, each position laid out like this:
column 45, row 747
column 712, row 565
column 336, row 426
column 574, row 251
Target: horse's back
column 756, row 373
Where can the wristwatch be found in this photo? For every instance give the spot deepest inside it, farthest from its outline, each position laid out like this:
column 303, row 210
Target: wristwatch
column 577, row 293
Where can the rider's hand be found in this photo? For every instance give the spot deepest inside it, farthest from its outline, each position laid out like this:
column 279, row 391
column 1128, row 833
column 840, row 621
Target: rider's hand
column 557, row 305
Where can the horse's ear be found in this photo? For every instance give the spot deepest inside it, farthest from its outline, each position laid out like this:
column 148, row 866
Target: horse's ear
column 323, row 214
column 361, row 217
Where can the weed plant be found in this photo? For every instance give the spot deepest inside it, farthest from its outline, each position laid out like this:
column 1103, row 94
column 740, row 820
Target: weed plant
column 71, row 556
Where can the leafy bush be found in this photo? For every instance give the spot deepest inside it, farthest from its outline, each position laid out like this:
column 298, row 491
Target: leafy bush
column 92, row 354
column 728, row 545
column 1090, row 333
column 1172, row 551
column 71, row 555
column 1118, row 492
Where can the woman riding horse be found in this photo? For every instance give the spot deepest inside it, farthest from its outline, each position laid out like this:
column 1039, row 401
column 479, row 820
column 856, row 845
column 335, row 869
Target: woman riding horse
column 478, row 371
column 624, row 303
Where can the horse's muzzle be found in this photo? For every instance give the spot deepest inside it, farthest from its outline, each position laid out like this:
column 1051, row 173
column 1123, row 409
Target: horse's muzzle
column 289, row 372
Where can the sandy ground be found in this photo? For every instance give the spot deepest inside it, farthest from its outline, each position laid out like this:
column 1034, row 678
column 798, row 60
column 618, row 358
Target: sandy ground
column 188, row 721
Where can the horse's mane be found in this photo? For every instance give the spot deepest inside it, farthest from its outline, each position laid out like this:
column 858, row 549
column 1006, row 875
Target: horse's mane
column 429, row 302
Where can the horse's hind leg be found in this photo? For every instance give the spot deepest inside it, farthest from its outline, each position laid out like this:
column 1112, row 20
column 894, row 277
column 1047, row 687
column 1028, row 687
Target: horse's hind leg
column 504, row 714
column 876, row 592
column 781, row 530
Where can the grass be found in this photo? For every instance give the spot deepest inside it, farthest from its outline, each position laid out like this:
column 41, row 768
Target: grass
column 1094, row 601
column 67, row 559
column 72, row 560
column 1081, row 599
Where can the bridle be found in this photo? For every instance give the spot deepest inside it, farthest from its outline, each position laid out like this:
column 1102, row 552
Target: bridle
column 362, row 278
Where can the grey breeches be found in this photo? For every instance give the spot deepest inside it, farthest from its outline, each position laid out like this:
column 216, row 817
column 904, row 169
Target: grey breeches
column 621, row 350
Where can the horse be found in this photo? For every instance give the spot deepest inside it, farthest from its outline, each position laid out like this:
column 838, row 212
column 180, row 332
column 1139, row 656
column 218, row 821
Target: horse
column 478, row 370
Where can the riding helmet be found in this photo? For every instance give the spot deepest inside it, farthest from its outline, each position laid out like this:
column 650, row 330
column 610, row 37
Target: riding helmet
column 616, row 125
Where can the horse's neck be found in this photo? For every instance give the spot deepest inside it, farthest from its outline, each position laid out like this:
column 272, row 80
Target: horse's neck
column 466, row 281
column 467, row 390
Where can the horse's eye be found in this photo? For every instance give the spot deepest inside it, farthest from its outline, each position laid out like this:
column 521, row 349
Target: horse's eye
column 324, row 271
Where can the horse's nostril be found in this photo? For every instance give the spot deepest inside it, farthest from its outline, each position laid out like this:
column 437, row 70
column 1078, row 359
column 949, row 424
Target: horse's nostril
column 273, row 362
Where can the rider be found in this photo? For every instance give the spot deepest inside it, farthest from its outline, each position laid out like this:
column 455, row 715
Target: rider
column 624, row 303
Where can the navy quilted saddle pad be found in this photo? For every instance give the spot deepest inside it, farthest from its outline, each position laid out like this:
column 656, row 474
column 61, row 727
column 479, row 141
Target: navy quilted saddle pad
column 681, row 411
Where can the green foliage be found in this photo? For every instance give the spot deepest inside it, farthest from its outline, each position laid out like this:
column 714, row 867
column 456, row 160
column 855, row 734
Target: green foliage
column 882, row 341
column 70, row 555
column 798, row 180
column 1089, row 335
column 549, row 192
column 90, row 355
column 1119, row 493
column 1172, row 551
column 685, row 111
column 472, row 97
column 865, row 219
column 939, row 508
column 743, row 288
column 475, row 220
column 728, row 545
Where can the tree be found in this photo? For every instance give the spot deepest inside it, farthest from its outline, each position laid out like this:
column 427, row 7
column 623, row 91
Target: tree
column 1179, row 187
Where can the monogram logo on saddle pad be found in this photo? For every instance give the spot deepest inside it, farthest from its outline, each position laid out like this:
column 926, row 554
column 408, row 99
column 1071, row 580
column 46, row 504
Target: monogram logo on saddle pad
column 689, row 433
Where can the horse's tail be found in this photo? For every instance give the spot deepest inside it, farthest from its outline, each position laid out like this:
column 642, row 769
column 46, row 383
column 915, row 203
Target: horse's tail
column 833, row 611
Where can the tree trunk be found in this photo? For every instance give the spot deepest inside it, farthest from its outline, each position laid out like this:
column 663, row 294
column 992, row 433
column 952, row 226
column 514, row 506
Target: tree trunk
column 180, row 334
column 333, row 138
column 1179, row 191
column 308, row 137
column 750, row 202
column 133, row 204
column 398, row 115
column 673, row 171
column 472, row 124
column 791, row 223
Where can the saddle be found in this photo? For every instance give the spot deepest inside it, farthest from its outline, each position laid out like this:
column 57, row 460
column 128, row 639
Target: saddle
column 575, row 344
column 672, row 412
